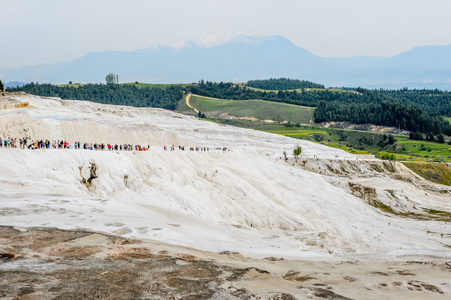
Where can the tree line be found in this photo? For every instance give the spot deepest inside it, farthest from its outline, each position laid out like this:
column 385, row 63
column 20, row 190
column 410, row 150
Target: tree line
column 283, row 84
column 413, row 110
column 116, row 94
column 434, row 102
column 418, row 111
column 231, row 91
column 386, row 113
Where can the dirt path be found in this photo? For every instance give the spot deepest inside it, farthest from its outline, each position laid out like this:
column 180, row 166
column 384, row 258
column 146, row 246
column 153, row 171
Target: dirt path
column 189, row 105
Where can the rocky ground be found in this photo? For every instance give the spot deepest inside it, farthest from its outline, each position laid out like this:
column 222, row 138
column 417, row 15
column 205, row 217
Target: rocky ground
column 364, row 127
column 48, row 263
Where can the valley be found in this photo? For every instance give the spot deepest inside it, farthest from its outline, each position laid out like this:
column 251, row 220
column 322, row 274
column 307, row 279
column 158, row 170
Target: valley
column 329, row 224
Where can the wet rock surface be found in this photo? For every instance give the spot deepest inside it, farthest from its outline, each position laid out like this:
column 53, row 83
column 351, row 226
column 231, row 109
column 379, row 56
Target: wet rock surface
column 49, row 263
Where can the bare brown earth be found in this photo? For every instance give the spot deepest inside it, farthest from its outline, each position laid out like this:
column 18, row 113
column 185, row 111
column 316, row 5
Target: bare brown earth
column 364, row 127
column 48, row 263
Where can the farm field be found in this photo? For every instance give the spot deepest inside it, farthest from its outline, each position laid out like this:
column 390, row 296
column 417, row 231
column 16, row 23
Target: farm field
column 260, row 109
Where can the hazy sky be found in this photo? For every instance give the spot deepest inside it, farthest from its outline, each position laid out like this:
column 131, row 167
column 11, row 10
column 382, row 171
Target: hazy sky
column 39, row 31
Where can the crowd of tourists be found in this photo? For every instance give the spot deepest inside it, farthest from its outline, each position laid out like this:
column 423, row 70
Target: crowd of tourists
column 182, row 148
column 61, row 144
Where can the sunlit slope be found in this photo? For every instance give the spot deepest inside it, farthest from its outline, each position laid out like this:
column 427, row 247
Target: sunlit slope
column 259, row 109
column 248, row 199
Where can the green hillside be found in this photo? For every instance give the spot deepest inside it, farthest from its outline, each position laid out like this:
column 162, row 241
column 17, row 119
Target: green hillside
column 413, row 110
column 438, row 173
column 260, row 109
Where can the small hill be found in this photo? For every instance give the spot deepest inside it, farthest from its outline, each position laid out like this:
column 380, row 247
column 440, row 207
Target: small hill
column 259, row 109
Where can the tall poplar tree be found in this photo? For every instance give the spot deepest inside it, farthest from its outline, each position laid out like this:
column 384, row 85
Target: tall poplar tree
column 112, row 79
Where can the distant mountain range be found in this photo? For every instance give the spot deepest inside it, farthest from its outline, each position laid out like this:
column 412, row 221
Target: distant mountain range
column 14, row 84
column 240, row 58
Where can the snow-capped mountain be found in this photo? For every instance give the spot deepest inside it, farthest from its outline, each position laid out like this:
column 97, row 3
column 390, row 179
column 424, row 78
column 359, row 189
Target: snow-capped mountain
column 211, row 40
column 237, row 57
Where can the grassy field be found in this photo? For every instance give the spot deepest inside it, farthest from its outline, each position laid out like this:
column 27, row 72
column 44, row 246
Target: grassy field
column 421, row 150
column 447, row 119
column 260, row 109
column 182, row 107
